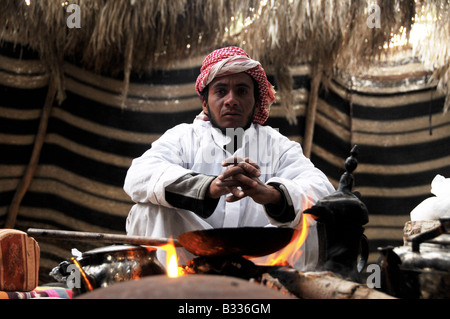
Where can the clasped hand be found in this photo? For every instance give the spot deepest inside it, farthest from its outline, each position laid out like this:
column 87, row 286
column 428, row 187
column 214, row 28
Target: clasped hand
column 241, row 179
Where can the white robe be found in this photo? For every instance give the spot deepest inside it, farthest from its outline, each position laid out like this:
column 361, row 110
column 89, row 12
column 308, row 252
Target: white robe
column 199, row 148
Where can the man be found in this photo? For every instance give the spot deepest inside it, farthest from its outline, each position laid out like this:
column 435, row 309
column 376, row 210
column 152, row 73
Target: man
column 225, row 169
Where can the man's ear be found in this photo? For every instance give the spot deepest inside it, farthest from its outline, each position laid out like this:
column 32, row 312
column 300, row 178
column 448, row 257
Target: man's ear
column 204, row 106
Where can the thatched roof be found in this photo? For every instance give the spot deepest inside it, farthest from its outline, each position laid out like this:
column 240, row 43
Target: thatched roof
column 138, row 35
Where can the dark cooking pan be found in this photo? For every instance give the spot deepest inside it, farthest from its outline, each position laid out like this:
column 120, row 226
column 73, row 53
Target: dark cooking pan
column 243, row 241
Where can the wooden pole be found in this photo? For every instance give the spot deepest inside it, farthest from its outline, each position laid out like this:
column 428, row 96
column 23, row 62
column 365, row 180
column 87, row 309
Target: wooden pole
column 311, row 111
column 127, row 70
column 100, row 237
column 24, row 184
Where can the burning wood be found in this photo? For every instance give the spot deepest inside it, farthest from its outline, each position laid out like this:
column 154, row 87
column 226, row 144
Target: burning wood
column 285, row 279
column 282, row 279
column 322, row 285
column 227, row 266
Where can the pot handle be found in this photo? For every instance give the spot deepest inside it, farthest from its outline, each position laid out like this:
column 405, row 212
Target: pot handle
column 364, row 253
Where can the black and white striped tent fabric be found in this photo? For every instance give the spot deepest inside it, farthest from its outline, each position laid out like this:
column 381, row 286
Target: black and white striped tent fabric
column 397, row 122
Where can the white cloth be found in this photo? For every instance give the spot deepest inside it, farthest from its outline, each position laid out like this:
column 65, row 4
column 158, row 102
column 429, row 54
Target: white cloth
column 437, row 206
column 198, row 148
column 232, row 65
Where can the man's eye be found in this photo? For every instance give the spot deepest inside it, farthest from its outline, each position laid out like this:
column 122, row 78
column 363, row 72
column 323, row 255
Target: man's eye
column 242, row 91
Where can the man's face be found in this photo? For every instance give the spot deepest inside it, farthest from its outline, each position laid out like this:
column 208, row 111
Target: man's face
column 231, row 101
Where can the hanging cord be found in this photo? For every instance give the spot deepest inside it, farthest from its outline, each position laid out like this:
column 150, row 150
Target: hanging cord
column 350, row 100
column 430, row 114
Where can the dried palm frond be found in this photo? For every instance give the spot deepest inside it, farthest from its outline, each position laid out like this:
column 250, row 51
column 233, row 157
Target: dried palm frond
column 116, row 37
column 349, row 36
column 120, row 37
column 433, row 46
column 163, row 31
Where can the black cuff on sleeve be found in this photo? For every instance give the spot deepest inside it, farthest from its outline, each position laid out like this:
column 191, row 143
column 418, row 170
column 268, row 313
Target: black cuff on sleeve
column 283, row 212
column 189, row 192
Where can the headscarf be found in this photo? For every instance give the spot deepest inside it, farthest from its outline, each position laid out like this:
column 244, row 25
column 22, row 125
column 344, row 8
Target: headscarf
column 232, row 60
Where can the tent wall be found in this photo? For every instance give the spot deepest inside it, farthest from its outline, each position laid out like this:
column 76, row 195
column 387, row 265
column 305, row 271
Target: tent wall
column 403, row 137
column 91, row 141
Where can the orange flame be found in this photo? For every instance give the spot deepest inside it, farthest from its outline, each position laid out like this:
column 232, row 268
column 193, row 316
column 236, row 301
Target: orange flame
column 86, row 279
column 173, row 270
column 292, row 251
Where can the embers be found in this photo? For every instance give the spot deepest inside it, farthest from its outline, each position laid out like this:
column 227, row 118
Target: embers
column 238, row 267
column 235, row 266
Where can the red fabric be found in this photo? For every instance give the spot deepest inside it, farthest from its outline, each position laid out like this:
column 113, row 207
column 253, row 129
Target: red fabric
column 266, row 91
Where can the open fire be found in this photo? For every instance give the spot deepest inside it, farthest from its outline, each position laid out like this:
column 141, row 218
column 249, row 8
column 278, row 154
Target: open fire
column 285, row 257
column 293, row 251
column 173, row 270
column 239, row 266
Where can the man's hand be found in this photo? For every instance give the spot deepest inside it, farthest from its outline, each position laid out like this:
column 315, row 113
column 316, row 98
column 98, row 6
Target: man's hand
column 241, row 179
column 234, row 178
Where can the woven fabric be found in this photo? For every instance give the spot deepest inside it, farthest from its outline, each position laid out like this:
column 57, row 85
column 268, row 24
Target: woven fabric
column 231, row 60
column 39, row 292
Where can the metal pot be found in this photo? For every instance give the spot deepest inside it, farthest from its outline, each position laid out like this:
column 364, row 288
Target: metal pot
column 104, row 266
column 242, row 241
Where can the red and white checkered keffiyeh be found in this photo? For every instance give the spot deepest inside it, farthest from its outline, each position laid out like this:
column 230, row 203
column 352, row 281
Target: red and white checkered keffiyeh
column 231, row 60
